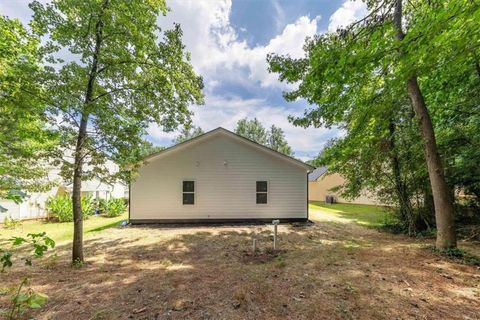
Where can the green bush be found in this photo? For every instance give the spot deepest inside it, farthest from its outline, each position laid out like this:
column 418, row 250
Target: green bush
column 60, row 208
column 112, row 207
column 88, row 206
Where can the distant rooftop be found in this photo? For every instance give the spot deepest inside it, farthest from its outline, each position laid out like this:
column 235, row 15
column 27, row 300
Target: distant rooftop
column 317, row 173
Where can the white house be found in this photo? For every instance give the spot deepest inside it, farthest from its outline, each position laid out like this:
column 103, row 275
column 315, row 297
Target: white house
column 34, row 204
column 219, row 176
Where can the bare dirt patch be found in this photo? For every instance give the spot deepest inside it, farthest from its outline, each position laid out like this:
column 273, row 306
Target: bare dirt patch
column 325, row 270
column 250, row 257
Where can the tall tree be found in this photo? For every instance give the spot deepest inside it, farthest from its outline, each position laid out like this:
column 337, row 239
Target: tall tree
column 359, row 77
column 274, row 138
column 187, row 133
column 443, row 200
column 149, row 148
column 124, row 73
column 252, row 130
column 25, row 140
column 277, row 141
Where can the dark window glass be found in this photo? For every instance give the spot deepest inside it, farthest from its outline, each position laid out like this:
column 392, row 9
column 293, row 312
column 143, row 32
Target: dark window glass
column 188, row 198
column 261, row 198
column 261, row 186
column 188, row 189
column 188, row 186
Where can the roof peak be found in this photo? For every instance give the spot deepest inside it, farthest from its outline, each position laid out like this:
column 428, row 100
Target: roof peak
column 233, row 135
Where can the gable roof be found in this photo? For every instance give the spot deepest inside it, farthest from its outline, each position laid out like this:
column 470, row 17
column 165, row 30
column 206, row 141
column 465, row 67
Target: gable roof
column 233, row 135
column 317, row 173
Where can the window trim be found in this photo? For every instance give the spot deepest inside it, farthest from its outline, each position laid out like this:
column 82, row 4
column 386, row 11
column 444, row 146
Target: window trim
column 189, row 192
column 262, row 192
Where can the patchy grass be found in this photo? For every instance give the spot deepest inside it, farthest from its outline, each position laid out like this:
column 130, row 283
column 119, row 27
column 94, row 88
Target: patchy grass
column 338, row 270
column 365, row 215
column 61, row 231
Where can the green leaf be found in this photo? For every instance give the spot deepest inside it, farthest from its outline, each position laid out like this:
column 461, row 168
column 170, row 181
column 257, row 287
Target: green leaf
column 6, row 260
column 16, row 241
column 37, row 300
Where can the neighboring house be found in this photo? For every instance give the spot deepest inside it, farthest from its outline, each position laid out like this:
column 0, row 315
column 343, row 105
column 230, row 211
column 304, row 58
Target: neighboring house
column 34, row 204
column 219, row 176
column 320, row 184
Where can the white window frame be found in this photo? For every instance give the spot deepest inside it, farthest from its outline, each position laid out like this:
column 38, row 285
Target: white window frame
column 189, row 192
column 257, row 192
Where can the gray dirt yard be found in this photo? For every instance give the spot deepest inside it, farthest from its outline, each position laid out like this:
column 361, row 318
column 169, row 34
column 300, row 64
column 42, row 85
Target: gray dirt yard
column 332, row 268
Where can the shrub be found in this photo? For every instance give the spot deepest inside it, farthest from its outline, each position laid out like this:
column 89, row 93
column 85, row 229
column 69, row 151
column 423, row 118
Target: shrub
column 10, row 223
column 113, row 207
column 418, row 224
column 88, row 206
column 60, row 208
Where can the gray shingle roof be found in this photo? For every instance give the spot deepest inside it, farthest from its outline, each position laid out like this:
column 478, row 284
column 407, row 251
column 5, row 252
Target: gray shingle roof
column 317, row 173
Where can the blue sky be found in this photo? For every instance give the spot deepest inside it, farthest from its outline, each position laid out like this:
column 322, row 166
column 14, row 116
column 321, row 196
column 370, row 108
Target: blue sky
column 228, row 42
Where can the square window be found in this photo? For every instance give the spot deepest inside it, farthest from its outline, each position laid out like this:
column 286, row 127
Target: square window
column 261, row 198
column 189, row 198
column 188, row 186
column 261, row 186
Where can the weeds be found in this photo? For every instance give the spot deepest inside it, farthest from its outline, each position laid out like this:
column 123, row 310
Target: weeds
column 458, row 255
column 78, row 264
column 10, row 223
column 281, row 263
column 23, row 300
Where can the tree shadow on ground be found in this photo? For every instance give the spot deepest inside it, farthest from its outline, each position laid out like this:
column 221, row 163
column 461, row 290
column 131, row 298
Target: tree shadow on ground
column 322, row 272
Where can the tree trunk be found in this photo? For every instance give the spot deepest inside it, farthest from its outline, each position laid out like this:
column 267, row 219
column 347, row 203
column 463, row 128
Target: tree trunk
column 77, row 250
column 405, row 206
column 443, row 203
column 442, row 200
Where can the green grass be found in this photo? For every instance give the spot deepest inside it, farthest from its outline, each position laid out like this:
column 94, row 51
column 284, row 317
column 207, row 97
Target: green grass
column 366, row 215
column 62, row 231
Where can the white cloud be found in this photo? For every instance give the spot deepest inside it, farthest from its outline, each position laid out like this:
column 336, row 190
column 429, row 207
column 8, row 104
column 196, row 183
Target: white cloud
column 157, row 133
column 349, row 12
column 220, row 55
column 215, row 47
column 290, row 42
column 279, row 15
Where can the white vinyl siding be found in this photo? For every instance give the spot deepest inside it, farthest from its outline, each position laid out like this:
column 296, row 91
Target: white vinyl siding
column 225, row 172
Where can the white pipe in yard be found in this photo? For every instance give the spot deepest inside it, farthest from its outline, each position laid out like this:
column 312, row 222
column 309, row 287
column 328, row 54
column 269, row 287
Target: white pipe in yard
column 275, row 224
